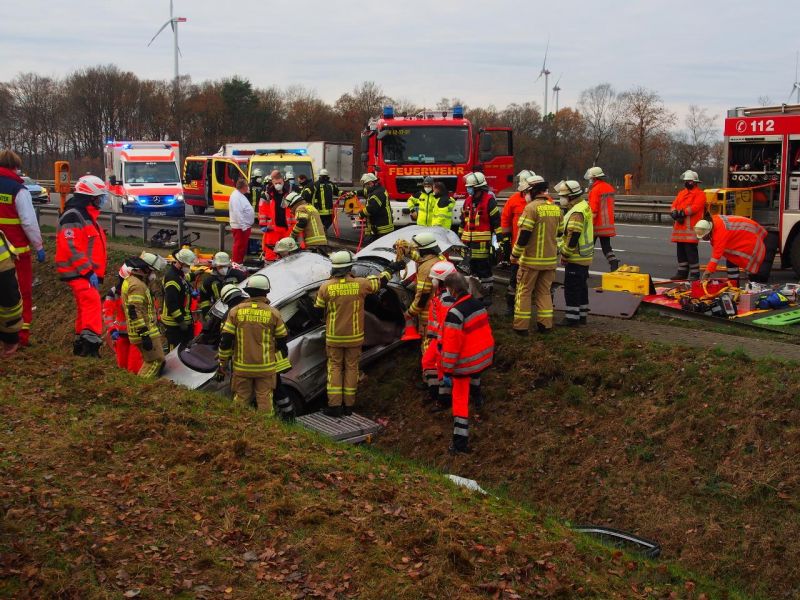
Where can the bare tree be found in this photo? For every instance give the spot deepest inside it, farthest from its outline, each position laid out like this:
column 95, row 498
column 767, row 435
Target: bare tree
column 700, row 127
column 646, row 121
column 601, row 112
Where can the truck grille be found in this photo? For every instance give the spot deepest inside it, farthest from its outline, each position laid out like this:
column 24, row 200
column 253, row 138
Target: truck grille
column 412, row 185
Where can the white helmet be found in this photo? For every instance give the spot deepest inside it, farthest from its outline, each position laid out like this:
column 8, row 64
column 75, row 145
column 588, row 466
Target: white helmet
column 257, row 282
column 703, row 228
column 690, row 176
column 475, row 179
column 368, row 177
column 289, row 174
column 91, row 185
column 323, row 172
column 593, row 173
column 154, row 261
column 185, row 256
column 286, row 244
column 230, row 291
column 424, row 240
column 569, row 188
column 290, row 199
column 221, row 259
column 440, row 270
column 524, row 174
column 529, row 182
column 343, row 259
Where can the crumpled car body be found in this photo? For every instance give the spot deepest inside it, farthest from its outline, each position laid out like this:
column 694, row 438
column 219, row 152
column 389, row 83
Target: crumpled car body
column 294, row 284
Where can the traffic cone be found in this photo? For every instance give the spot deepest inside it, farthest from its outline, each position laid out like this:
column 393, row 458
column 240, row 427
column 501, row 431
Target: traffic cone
column 410, row 333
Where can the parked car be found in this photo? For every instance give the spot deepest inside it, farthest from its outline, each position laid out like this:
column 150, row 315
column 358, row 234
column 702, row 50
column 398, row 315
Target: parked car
column 39, row 193
column 294, row 284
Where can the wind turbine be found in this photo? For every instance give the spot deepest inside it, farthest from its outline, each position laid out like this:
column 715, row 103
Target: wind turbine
column 546, row 74
column 556, row 90
column 173, row 22
column 796, row 85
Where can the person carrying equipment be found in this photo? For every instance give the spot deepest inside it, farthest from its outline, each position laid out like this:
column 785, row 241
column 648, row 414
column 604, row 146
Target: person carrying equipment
column 222, row 273
column 252, row 336
column 308, row 224
column 576, row 244
column 140, row 315
column 342, row 299
column 176, row 314
column 687, row 210
column 480, row 218
column 601, row 201
column 81, row 260
column 377, row 208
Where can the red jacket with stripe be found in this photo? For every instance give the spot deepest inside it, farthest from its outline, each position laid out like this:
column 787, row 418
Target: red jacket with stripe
column 467, row 341
column 601, row 201
column 693, row 204
column 739, row 240
column 80, row 242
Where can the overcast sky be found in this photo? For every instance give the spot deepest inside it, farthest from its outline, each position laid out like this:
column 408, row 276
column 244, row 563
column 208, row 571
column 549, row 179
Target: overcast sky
column 713, row 53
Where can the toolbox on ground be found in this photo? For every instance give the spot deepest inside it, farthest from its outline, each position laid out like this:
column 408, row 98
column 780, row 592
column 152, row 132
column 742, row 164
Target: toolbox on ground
column 628, row 279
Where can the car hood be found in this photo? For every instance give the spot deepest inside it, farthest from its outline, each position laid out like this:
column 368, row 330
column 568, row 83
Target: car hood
column 294, row 273
column 384, row 247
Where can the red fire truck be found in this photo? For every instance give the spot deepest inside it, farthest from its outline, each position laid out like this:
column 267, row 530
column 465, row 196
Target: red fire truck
column 402, row 150
column 762, row 152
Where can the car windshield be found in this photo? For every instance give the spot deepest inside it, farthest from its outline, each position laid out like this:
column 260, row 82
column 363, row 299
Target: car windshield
column 151, row 172
column 264, row 168
column 425, row 145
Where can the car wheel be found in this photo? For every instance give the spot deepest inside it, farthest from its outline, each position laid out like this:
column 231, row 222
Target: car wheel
column 299, row 403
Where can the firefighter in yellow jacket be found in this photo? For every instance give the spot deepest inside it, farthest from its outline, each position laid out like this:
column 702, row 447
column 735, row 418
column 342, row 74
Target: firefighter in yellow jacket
column 425, row 254
column 255, row 338
column 536, row 251
column 576, row 244
column 10, row 299
column 308, row 223
column 342, row 299
column 140, row 314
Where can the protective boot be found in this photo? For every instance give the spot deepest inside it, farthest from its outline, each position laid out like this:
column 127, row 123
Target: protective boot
column 510, row 305
column 77, row 346
column 91, row 343
column 283, row 405
column 332, row 411
column 433, row 395
column 460, row 443
column 613, row 264
column 682, row 272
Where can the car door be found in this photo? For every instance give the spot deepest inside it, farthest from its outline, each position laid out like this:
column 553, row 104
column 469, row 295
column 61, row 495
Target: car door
column 495, row 151
column 224, row 174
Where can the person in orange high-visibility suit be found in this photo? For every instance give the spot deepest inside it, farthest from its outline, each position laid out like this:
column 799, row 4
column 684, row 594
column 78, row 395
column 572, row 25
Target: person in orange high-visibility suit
column 512, row 211
column 439, row 304
column 81, row 260
column 276, row 221
column 467, row 348
column 738, row 240
column 116, row 327
column 687, row 209
column 19, row 224
column 601, row 201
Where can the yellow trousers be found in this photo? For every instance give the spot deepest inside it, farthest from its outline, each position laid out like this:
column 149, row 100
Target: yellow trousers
column 245, row 389
column 536, row 284
column 342, row 375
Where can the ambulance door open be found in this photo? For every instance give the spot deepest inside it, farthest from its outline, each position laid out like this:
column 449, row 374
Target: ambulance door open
column 224, row 174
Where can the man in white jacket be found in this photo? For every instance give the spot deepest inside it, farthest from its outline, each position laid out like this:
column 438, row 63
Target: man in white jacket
column 241, row 215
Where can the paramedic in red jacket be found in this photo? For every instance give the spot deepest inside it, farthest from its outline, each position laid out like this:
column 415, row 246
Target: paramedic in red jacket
column 467, row 348
column 601, row 201
column 738, row 240
column 687, row 209
column 81, row 260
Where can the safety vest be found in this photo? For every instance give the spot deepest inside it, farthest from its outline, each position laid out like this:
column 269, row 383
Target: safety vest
column 541, row 219
column 80, row 244
column 325, row 193
column 10, row 297
column 9, row 219
column 172, row 315
column 693, row 204
column 477, row 226
column 138, row 309
column 467, row 341
column 601, row 200
column 739, row 240
column 583, row 253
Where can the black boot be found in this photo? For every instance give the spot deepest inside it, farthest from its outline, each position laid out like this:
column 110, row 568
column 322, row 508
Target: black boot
column 509, row 306
column 476, row 396
column 285, row 408
column 77, row 346
column 332, row 411
column 433, row 395
column 460, row 445
column 613, row 265
column 542, row 329
column 347, row 410
column 522, row 332
column 681, row 274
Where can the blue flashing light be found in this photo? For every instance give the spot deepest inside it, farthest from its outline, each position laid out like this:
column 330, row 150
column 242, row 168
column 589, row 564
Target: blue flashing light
column 127, row 146
column 388, row 112
column 458, row 112
column 109, row 140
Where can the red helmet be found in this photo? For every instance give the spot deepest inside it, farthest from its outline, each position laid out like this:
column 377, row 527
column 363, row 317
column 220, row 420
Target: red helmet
column 442, row 269
column 91, row 185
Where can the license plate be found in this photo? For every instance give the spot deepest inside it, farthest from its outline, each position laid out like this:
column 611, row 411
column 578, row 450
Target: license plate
column 158, row 214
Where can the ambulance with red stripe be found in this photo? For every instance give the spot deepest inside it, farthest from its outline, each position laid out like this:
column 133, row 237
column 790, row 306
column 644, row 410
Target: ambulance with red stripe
column 144, row 178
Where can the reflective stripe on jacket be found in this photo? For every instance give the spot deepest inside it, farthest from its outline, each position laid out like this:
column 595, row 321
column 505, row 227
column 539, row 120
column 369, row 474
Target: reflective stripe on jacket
column 138, row 309
column 693, row 203
column 80, row 244
column 480, row 218
column 467, row 341
column 378, row 210
column 601, row 201
column 309, row 225
column 578, row 219
column 255, row 326
column 10, row 297
column 343, row 301
column 10, row 223
column 177, row 298
column 541, row 220
column 739, row 240
column 325, row 194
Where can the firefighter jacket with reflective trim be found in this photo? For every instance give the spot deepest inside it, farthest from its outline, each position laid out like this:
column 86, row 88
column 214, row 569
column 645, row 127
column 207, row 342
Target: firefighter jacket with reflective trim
column 739, row 240
column 512, row 211
column 480, row 218
column 378, row 210
column 80, row 242
column 10, row 297
column 212, row 284
column 306, row 192
column 577, row 220
column 432, row 211
column 536, row 246
column 437, row 311
column 250, row 335
column 601, row 201
column 138, row 309
column 325, row 194
column 424, row 286
column 270, row 211
column 17, row 217
column 467, row 341
column 309, row 225
column 343, row 301
column 693, row 204
column 177, row 298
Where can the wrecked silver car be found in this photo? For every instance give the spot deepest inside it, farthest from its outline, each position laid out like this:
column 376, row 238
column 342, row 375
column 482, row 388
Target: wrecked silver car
column 294, row 284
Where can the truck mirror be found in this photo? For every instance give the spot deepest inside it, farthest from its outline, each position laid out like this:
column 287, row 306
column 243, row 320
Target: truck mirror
column 364, row 144
column 113, row 180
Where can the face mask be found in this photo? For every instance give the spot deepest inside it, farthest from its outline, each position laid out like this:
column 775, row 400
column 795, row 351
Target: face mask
column 278, row 187
column 563, row 201
column 527, row 196
column 688, row 185
column 223, row 271
column 470, row 190
column 186, row 270
column 428, row 189
column 100, row 201
column 151, row 277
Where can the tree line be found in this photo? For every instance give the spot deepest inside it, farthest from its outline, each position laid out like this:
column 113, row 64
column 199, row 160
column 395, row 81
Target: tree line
column 47, row 119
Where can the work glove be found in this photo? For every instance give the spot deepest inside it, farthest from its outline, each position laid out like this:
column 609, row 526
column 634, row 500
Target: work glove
column 264, row 229
column 41, row 255
column 147, row 343
column 397, row 266
column 94, row 281
column 114, row 335
column 195, row 293
column 221, row 372
column 675, row 215
column 447, row 381
column 706, row 275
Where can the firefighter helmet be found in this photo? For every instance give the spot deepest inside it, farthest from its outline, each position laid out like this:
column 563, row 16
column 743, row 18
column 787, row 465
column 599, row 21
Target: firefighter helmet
column 569, row 188
column 475, row 179
column 703, row 228
column 291, row 199
column 440, row 270
column 690, row 176
column 289, row 174
column 230, row 291
column 593, row 173
column 524, row 174
column 257, row 282
column 343, row 259
column 529, row 182
column 91, row 185
column 125, row 270
column 368, row 177
column 221, row 259
column 286, row 244
column 428, row 180
column 185, row 256
column 424, row 240
column 154, row 261
column 323, row 172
